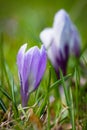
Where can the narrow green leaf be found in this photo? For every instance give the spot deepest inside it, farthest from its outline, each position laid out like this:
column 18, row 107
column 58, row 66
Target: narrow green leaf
column 85, row 61
column 13, row 93
column 9, row 76
column 1, row 58
column 69, row 100
column 14, row 99
column 2, row 105
column 48, row 102
column 64, row 87
column 59, row 82
column 11, row 84
column 84, row 49
column 10, row 80
column 5, row 93
column 77, row 82
column 42, row 106
column 72, row 109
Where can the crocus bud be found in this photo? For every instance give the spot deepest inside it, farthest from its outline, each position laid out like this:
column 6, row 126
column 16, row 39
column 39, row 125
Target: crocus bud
column 60, row 41
column 31, row 67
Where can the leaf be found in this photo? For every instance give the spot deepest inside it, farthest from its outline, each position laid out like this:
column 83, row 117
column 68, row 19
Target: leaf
column 59, row 82
column 11, row 84
column 3, row 105
column 85, row 60
column 1, row 57
column 5, row 93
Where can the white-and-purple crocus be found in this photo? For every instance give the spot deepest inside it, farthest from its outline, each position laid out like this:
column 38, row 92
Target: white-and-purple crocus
column 61, row 40
column 31, row 67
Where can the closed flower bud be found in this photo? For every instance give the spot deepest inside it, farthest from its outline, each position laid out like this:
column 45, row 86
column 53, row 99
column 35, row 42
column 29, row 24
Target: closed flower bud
column 31, row 66
column 60, row 41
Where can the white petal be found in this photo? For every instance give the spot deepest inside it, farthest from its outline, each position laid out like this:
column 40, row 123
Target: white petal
column 46, row 37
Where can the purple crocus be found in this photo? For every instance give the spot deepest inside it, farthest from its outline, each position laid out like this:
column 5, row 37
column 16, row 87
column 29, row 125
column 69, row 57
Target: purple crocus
column 60, row 41
column 31, row 67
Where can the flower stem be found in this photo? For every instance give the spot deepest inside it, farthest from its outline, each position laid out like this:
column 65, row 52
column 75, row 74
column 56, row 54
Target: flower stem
column 69, row 101
column 48, row 102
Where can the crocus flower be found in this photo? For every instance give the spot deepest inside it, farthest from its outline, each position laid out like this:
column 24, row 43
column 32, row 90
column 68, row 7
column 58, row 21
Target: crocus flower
column 31, row 66
column 60, row 41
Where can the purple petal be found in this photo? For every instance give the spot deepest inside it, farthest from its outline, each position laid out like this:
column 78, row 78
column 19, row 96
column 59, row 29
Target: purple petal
column 41, row 66
column 76, row 42
column 31, row 61
column 27, row 65
column 62, row 61
column 66, row 32
column 24, row 97
column 20, row 58
column 34, row 68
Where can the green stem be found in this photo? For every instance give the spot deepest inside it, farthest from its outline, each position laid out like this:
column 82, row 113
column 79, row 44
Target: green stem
column 48, row 102
column 69, row 101
column 64, row 87
column 77, row 80
column 72, row 110
column 76, row 84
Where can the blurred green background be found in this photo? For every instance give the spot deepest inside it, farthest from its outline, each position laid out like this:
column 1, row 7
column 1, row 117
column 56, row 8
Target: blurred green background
column 22, row 21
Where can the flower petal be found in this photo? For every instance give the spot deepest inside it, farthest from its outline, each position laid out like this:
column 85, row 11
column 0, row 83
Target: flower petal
column 26, row 69
column 75, row 44
column 62, row 28
column 61, row 17
column 34, row 68
column 46, row 37
column 41, row 66
column 20, row 58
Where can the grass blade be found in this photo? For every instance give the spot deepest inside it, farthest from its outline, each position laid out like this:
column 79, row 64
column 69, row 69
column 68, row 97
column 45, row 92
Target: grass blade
column 69, row 100
column 10, row 80
column 5, row 93
column 85, row 60
column 72, row 109
column 59, row 82
column 42, row 106
column 77, row 82
column 1, row 58
column 64, row 87
column 2, row 105
column 48, row 102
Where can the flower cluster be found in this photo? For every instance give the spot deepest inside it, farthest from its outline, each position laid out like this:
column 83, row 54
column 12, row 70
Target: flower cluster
column 60, row 41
